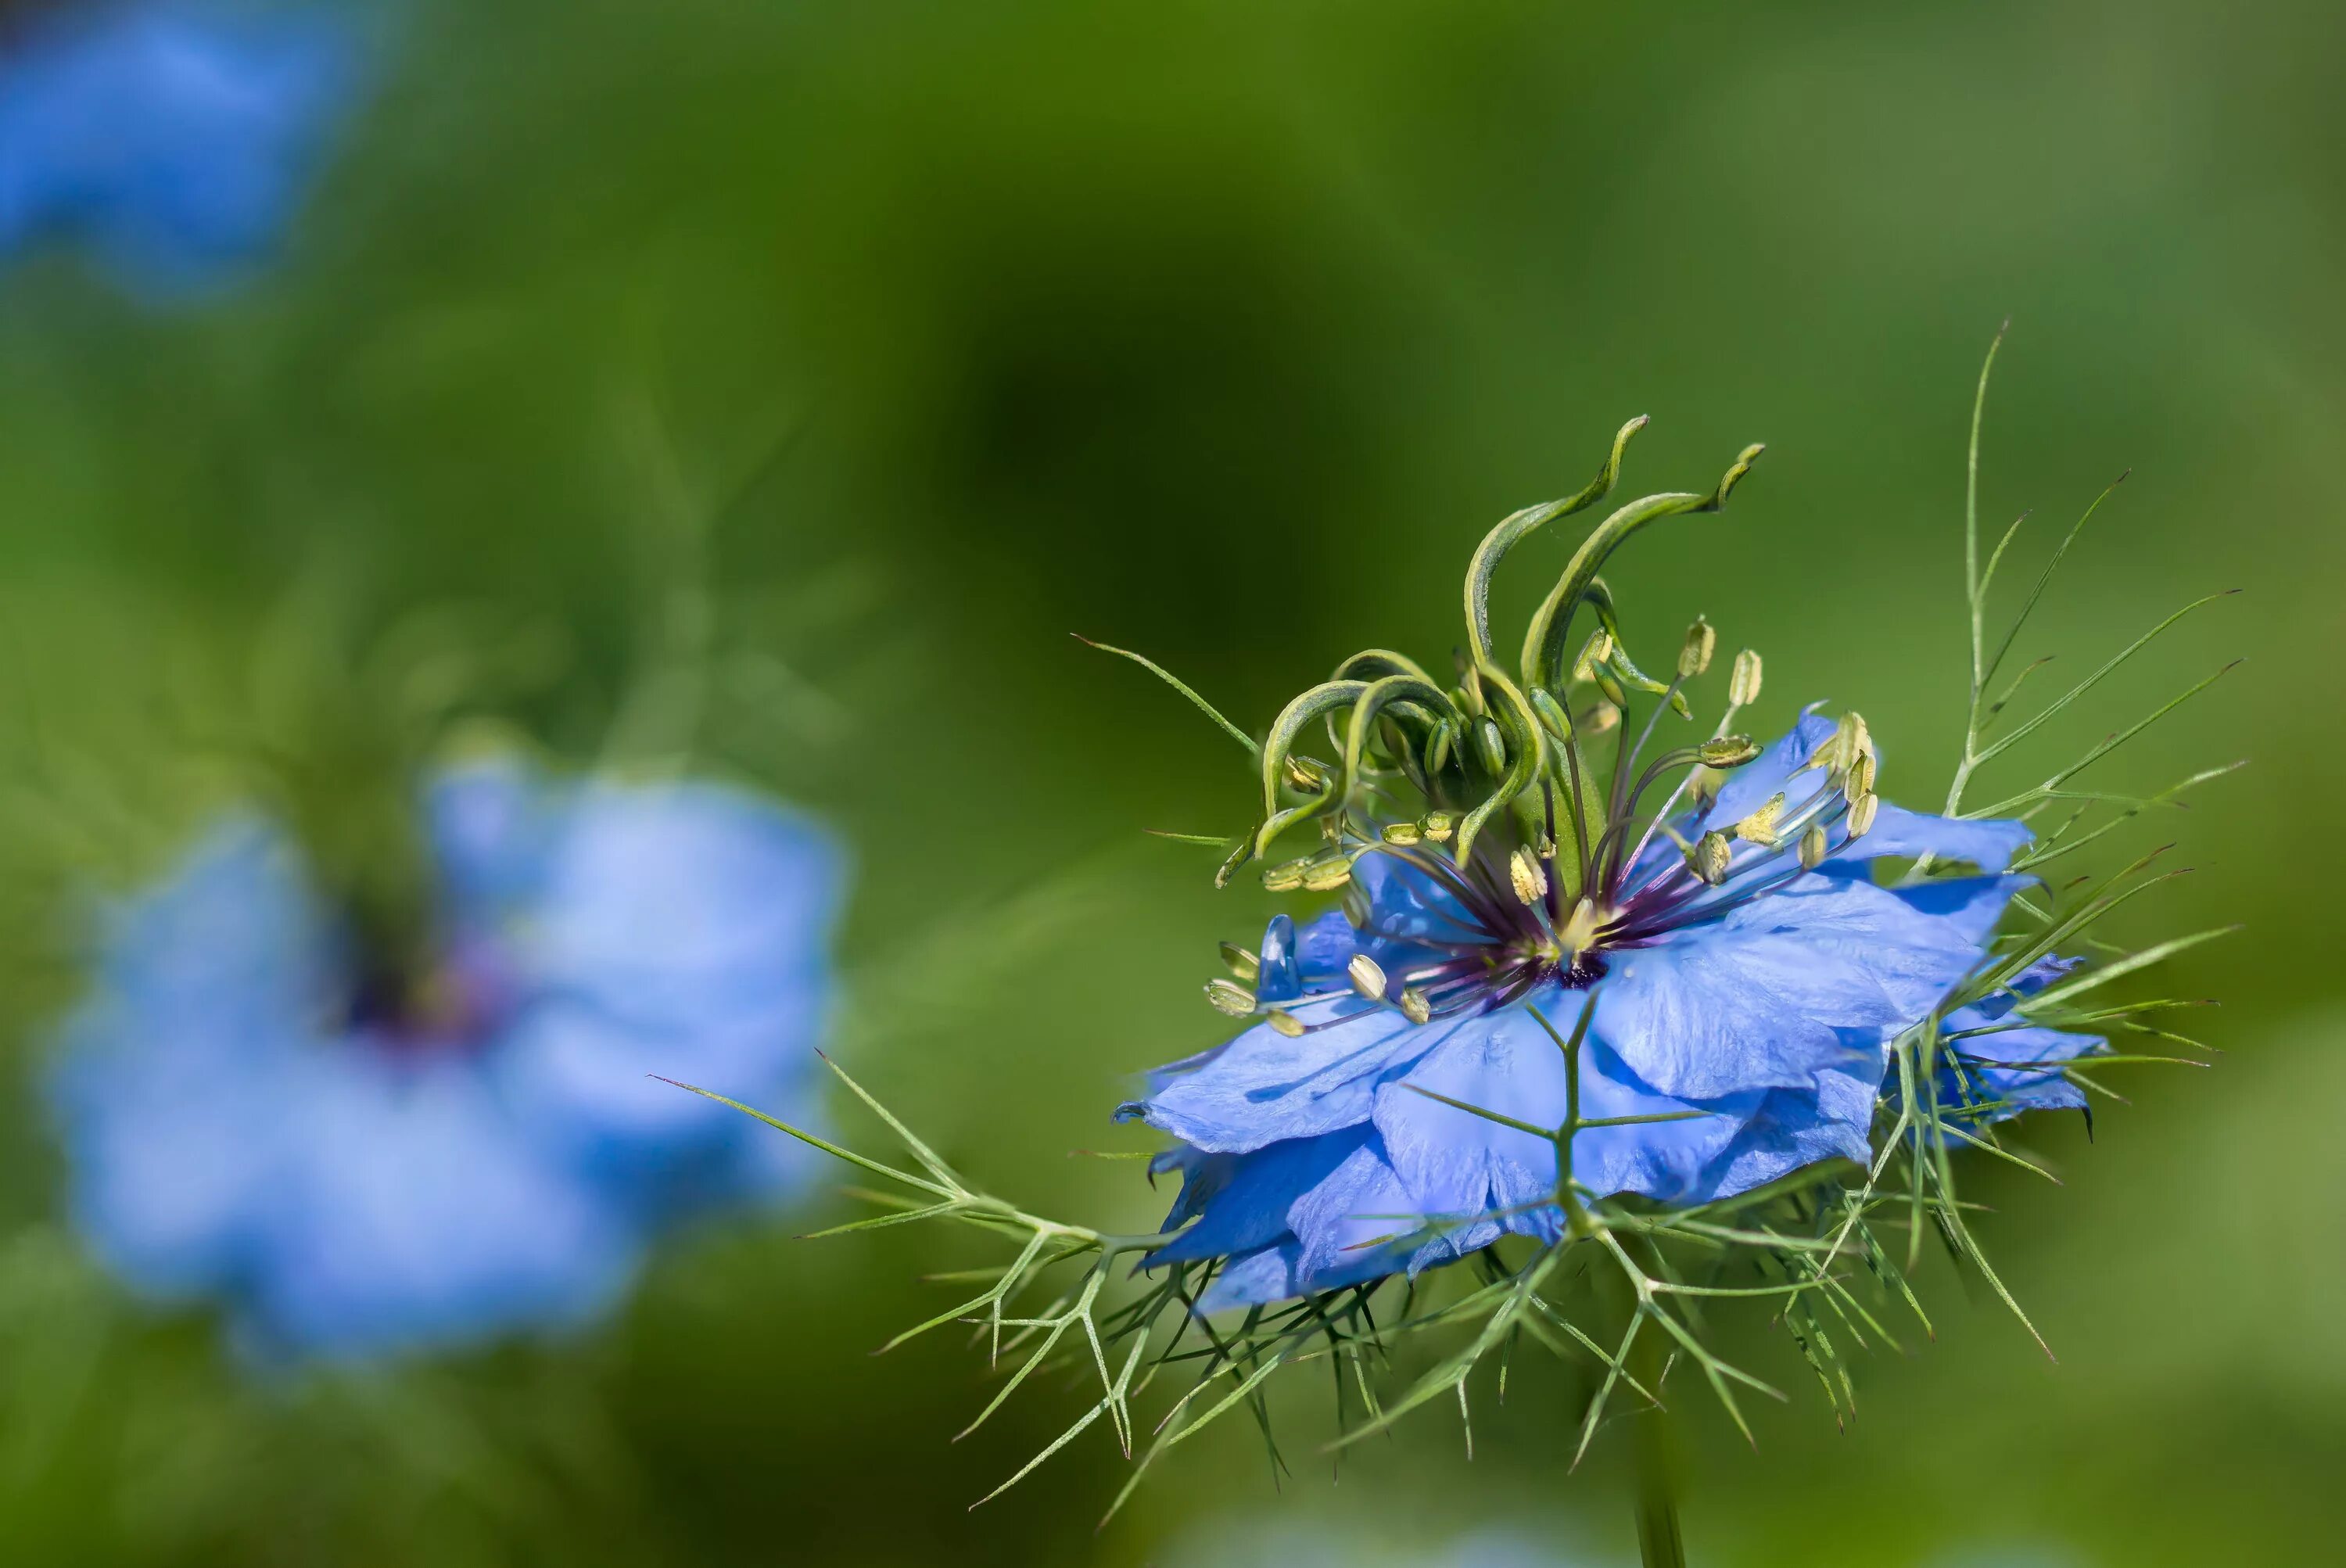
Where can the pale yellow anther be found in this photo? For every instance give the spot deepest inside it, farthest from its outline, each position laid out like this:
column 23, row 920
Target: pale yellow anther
column 1702, row 786
column 1414, row 1005
column 1812, row 847
column 1710, row 857
column 1287, row 1024
column 1367, row 977
column 1228, row 996
column 1861, row 814
column 1695, row 653
column 1242, row 962
column 1743, row 683
column 1402, row 833
column 1859, row 781
column 1327, row 876
column 1285, row 877
column 1728, row 751
column 1759, row 828
column 1602, row 717
column 1440, row 825
column 1529, row 876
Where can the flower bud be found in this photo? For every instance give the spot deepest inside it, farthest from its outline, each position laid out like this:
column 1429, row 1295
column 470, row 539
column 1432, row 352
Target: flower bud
column 1228, row 996
column 1528, row 875
column 1694, row 654
column 1440, row 825
column 1285, row 877
column 1286, row 1023
column 1438, row 747
column 1728, row 751
column 1710, row 857
column 1402, row 833
column 1242, row 963
column 1743, row 684
column 1367, row 977
column 1812, row 847
column 1415, row 1007
column 1759, row 828
column 1551, row 712
column 1599, row 649
column 1702, row 787
column 1861, row 814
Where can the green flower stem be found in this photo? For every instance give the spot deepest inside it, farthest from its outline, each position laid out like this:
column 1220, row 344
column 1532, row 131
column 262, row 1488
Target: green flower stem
column 1656, row 1457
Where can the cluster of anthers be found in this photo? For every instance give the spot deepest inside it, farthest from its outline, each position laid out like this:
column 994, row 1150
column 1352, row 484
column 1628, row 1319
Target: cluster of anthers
column 1542, row 829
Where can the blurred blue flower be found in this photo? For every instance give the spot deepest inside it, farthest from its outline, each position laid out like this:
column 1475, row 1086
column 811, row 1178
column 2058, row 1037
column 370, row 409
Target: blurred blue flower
column 243, row 1123
column 1758, row 1004
column 172, row 138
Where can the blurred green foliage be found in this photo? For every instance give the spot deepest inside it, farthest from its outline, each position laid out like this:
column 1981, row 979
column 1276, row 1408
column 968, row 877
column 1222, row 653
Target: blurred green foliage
column 1220, row 331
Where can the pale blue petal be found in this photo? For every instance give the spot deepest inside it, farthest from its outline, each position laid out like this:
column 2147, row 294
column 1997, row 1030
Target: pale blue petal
column 1987, row 842
column 1264, row 1087
column 1747, row 789
column 408, row 1214
column 683, row 930
column 1783, row 989
column 1245, row 1198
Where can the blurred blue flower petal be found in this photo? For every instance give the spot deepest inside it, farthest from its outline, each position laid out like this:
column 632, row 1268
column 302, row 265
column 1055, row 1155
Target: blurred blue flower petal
column 173, row 140
column 354, row 1187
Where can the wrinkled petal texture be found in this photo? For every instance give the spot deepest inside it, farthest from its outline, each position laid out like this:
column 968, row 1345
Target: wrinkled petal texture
column 354, row 1195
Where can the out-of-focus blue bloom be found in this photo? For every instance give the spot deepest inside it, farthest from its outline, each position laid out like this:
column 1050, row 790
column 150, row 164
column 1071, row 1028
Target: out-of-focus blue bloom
column 173, row 138
column 240, row 1127
column 1764, row 1001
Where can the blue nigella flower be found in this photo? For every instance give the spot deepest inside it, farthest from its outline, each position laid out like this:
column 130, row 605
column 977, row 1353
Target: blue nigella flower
column 1748, row 986
column 173, row 140
column 247, row 1121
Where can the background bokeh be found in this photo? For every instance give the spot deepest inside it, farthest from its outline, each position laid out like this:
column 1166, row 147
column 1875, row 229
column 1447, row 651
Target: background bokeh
column 1220, row 331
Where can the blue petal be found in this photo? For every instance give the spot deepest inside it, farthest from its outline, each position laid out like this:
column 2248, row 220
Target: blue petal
column 1249, row 1195
column 1407, row 906
column 1990, row 843
column 407, row 1214
column 684, row 929
column 1357, row 1223
column 1970, row 905
column 1832, row 1118
column 1455, row 1162
column 1264, row 1087
column 175, row 143
column 1787, row 986
column 1747, row 789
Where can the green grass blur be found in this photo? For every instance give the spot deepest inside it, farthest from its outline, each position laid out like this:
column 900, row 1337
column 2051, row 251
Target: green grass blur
column 1221, row 331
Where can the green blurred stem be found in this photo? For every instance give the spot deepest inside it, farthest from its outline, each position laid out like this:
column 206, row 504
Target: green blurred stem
column 1656, row 1459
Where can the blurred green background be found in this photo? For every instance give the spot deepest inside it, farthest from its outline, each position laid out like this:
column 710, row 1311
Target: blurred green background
column 1220, row 331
